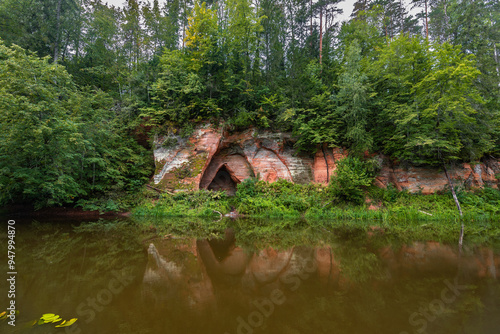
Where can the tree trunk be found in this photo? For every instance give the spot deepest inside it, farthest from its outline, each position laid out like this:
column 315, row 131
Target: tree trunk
column 446, row 19
column 311, row 23
column 426, row 22
column 66, row 43
column 184, row 24
column 461, row 239
column 320, row 34
column 326, row 163
column 58, row 31
column 495, row 54
column 78, row 31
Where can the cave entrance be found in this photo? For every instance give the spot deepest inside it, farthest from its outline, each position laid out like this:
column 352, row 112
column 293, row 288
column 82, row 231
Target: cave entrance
column 223, row 180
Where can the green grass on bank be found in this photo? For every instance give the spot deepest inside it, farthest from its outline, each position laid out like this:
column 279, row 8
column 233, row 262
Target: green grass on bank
column 283, row 199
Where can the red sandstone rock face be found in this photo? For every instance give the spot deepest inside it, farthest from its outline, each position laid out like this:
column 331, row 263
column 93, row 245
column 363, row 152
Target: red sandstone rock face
column 236, row 164
column 184, row 164
column 196, row 163
column 325, row 163
column 429, row 180
column 211, row 159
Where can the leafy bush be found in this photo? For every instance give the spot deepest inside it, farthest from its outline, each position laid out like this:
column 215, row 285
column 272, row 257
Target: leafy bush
column 281, row 198
column 284, row 199
column 199, row 203
column 247, row 188
column 350, row 179
column 60, row 144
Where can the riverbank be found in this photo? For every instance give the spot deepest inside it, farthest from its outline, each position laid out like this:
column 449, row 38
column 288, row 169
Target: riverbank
column 282, row 199
column 24, row 211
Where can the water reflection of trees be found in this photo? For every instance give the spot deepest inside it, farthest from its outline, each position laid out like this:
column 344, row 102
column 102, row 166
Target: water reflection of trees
column 347, row 280
column 354, row 282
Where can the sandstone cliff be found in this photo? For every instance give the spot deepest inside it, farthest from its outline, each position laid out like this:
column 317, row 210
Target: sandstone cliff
column 213, row 159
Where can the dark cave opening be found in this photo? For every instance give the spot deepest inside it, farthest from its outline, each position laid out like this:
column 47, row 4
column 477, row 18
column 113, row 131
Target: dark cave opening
column 223, row 181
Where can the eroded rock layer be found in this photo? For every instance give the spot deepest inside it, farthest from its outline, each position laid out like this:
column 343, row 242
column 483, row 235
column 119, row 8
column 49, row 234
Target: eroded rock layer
column 213, row 159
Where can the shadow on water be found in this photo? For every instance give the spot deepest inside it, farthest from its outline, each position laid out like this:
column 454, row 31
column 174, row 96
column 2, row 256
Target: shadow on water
column 122, row 277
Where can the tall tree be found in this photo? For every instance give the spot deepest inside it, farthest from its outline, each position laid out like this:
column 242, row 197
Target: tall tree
column 393, row 17
column 326, row 8
column 474, row 27
column 100, row 62
column 397, row 68
column 274, row 41
column 352, row 99
column 46, row 27
column 439, row 20
column 425, row 7
column 58, row 144
column 156, row 27
column 450, row 120
column 133, row 33
column 359, row 9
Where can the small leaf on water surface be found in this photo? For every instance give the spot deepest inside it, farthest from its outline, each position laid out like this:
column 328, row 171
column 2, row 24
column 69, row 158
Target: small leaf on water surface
column 50, row 317
column 67, row 323
column 53, row 318
column 61, row 324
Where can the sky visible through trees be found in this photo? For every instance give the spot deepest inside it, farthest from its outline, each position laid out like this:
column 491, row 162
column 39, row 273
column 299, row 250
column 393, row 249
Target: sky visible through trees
column 346, row 6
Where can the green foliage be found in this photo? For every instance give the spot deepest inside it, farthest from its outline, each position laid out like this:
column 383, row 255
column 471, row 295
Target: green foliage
column 40, row 26
column 353, row 103
column 430, row 101
column 58, row 143
column 201, row 203
column 342, row 199
column 40, row 139
column 318, row 124
column 247, row 188
column 351, row 178
column 278, row 199
column 449, row 108
column 201, row 35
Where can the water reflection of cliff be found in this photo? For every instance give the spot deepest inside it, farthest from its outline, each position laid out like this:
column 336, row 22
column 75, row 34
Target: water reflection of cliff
column 195, row 273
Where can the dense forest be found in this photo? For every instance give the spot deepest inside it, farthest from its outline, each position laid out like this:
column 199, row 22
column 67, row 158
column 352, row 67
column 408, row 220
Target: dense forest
column 79, row 81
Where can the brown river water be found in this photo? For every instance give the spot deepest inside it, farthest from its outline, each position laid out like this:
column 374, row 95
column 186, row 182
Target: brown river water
column 120, row 278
